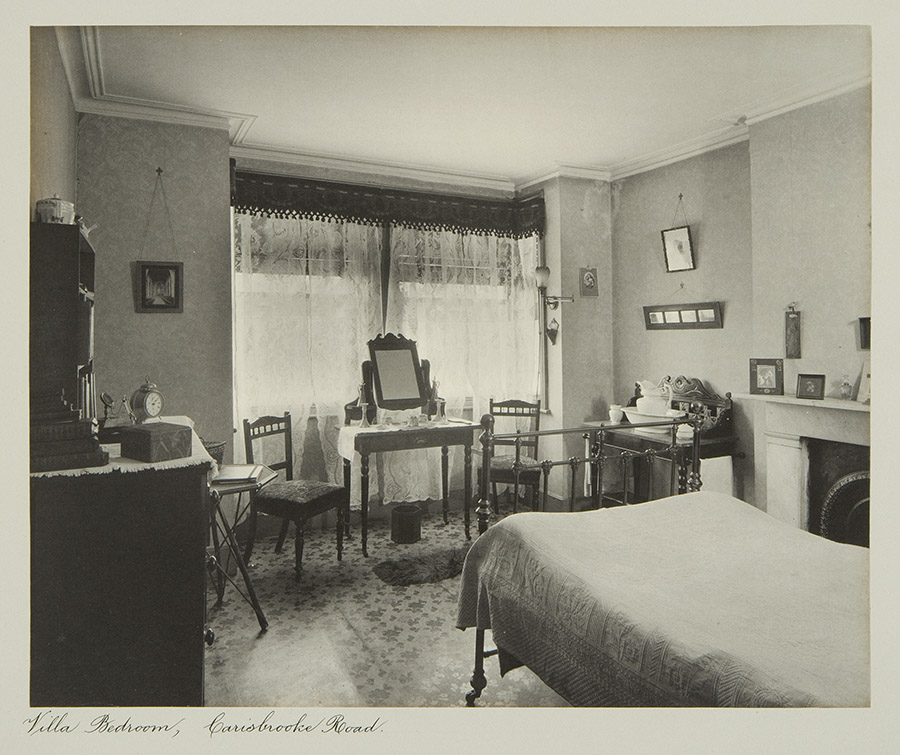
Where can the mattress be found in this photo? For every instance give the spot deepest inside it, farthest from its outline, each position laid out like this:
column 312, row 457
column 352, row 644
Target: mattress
column 695, row 600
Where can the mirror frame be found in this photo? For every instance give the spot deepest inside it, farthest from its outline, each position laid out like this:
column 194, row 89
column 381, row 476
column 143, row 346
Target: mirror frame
column 391, row 342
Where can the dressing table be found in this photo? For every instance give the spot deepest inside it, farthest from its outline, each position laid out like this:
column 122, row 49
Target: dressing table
column 369, row 440
column 395, row 380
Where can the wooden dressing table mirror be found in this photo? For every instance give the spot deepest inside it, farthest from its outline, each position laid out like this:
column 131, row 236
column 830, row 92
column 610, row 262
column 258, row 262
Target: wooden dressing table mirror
column 398, row 377
column 392, row 378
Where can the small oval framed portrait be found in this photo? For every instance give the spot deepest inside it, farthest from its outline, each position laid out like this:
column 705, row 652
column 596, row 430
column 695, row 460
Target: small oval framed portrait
column 588, row 279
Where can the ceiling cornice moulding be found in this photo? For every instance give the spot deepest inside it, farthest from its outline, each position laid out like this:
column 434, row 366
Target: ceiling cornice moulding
column 561, row 170
column 740, row 120
column 388, row 170
column 793, row 100
column 683, row 151
column 83, row 65
column 124, row 109
column 82, row 62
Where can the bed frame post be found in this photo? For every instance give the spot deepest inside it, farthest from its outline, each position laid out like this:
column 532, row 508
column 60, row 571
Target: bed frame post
column 574, row 463
column 601, row 437
column 483, row 510
column 694, row 482
column 478, row 680
column 546, row 466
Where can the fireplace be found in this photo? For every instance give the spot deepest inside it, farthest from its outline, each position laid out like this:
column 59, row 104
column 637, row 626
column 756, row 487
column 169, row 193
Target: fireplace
column 815, row 466
column 838, row 490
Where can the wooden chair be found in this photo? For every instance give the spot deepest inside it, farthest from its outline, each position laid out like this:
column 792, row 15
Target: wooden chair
column 291, row 500
column 502, row 463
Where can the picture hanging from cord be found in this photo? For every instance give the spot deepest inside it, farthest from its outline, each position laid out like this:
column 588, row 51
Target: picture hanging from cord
column 158, row 286
column 677, row 246
column 696, row 315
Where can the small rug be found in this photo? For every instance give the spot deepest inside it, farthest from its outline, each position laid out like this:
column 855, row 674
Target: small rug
column 431, row 567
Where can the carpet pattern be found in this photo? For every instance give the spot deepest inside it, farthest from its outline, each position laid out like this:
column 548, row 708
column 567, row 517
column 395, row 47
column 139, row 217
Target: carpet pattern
column 343, row 637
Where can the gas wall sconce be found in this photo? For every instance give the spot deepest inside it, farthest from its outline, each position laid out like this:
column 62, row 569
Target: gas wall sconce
column 541, row 276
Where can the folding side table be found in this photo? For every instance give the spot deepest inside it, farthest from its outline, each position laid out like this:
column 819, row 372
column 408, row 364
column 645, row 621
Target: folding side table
column 222, row 531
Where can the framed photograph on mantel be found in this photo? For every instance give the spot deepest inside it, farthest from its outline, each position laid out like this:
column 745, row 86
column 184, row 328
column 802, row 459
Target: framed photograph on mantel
column 767, row 376
column 811, row 386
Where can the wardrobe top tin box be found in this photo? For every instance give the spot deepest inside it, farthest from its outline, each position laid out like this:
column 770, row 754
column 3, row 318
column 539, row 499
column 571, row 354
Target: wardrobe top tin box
column 156, row 441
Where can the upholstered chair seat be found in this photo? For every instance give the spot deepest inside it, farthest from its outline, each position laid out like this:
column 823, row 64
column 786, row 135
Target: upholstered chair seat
column 292, row 500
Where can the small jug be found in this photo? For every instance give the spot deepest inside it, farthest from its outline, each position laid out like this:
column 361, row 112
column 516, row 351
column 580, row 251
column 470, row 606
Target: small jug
column 615, row 413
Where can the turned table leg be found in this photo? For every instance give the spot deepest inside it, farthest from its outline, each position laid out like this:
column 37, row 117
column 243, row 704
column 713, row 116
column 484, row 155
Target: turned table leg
column 445, row 483
column 364, row 490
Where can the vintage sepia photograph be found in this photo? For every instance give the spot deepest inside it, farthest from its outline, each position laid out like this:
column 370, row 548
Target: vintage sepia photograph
column 415, row 438
column 161, row 286
column 678, row 249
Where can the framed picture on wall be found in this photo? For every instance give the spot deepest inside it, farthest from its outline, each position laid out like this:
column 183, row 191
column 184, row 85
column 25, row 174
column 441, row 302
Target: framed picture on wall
column 160, row 286
column 767, row 376
column 704, row 314
column 587, row 277
column 811, row 386
column 679, row 252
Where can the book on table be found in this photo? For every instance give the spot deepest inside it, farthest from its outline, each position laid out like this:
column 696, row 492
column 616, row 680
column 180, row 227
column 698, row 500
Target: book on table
column 239, row 473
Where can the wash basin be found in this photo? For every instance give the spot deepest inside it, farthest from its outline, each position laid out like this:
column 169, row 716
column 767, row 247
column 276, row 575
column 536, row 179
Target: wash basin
column 634, row 416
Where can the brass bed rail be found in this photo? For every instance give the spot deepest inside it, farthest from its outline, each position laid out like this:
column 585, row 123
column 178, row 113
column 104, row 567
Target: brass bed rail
column 596, row 458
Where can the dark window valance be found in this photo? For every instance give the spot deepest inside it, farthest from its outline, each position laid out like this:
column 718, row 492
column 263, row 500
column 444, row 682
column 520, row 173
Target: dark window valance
column 283, row 196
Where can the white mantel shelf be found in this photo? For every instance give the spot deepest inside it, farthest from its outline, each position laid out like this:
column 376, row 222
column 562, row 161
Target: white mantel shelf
column 825, row 403
column 788, row 425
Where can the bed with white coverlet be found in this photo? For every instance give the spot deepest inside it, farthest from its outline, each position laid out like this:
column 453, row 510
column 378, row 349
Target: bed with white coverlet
column 693, row 600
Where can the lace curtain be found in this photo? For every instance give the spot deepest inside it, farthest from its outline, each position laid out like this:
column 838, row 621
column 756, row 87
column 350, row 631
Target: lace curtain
column 470, row 303
column 307, row 298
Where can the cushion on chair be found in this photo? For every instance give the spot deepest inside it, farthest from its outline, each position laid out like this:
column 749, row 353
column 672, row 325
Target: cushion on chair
column 299, row 499
column 501, row 468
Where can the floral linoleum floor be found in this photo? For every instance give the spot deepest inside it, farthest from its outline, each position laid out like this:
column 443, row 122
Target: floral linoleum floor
column 341, row 637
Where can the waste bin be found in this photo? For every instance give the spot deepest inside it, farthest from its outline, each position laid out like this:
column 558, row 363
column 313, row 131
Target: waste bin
column 406, row 523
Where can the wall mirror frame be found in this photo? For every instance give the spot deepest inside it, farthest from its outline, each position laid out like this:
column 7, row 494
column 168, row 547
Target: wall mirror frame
column 398, row 376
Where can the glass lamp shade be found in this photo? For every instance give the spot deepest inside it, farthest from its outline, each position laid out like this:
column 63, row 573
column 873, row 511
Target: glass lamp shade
column 541, row 276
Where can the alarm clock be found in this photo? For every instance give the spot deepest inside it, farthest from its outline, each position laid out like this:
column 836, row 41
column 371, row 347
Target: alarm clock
column 146, row 402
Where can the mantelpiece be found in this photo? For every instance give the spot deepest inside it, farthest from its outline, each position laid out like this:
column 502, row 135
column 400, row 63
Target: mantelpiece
column 825, row 403
column 789, row 422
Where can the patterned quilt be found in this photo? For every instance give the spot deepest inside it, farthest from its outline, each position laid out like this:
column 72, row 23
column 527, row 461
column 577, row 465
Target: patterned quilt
column 693, row 600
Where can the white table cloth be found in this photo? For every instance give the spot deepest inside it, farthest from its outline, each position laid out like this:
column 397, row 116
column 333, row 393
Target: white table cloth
column 401, row 476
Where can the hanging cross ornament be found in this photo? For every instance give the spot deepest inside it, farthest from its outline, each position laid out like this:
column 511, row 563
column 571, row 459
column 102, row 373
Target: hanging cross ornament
column 680, row 206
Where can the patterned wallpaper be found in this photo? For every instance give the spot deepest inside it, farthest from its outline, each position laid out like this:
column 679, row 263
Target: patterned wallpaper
column 716, row 189
column 812, row 207
column 188, row 355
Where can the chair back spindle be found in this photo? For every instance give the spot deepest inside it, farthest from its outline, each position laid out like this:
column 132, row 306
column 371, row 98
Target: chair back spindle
column 269, row 426
column 505, row 467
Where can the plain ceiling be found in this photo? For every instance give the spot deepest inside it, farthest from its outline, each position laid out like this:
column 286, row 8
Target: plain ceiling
column 495, row 102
